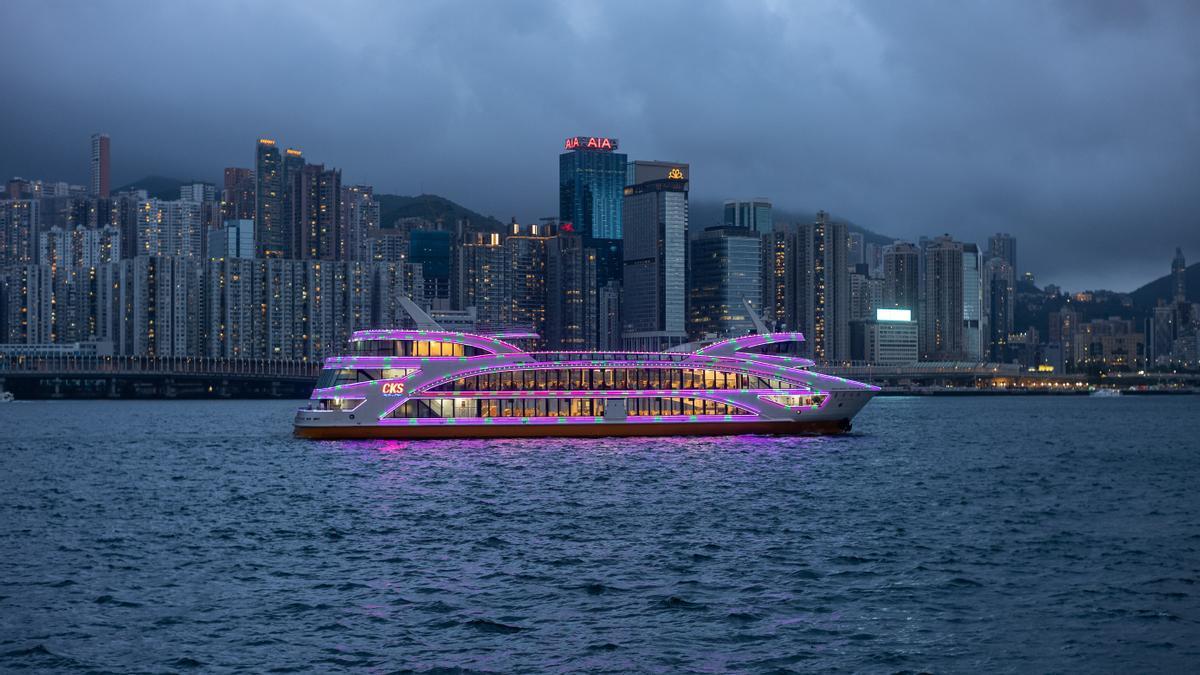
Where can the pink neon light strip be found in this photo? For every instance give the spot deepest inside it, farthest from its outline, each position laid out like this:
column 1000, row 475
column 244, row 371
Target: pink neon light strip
column 641, row 419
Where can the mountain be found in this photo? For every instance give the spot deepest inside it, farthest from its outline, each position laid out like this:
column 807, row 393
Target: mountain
column 158, row 187
column 702, row 214
column 1162, row 288
column 429, row 207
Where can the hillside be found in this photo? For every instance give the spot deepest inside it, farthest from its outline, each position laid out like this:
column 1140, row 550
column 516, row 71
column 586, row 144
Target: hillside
column 429, row 207
column 158, row 187
column 1146, row 297
column 702, row 214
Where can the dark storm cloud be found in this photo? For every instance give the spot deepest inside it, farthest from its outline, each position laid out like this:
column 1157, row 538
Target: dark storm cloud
column 1073, row 125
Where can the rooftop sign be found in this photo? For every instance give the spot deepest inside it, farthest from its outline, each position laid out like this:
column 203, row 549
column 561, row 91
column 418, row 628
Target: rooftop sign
column 893, row 315
column 590, row 143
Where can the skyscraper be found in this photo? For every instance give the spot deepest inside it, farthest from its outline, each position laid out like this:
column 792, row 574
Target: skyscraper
column 315, row 224
column 974, row 329
column 655, row 219
column 726, row 270
column 237, row 195
column 571, row 303
column 824, row 293
column 100, row 181
column 1002, row 245
column 941, row 303
column 591, row 183
column 754, row 214
column 360, row 217
column 901, row 276
column 1179, row 276
column 269, row 218
column 999, row 297
column 857, row 249
column 431, row 250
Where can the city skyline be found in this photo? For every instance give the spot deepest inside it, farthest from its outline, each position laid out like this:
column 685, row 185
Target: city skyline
column 1062, row 150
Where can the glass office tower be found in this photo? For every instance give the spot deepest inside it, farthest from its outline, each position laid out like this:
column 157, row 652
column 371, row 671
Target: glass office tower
column 656, row 243
column 591, row 184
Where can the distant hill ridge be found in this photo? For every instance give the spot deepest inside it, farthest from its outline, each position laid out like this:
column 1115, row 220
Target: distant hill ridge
column 1162, row 288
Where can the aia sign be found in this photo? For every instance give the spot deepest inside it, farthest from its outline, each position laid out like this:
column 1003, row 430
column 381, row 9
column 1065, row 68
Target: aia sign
column 392, row 389
column 590, row 143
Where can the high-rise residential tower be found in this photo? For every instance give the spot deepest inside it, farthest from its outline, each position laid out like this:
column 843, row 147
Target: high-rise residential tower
column 237, row 194
column 824, row 293
column 100, row 186
column 269, row 219
column 655, row 220
column 1179, row 276
column 999, row 298
column 941, row 304
column 974, row 328
column 901, row 276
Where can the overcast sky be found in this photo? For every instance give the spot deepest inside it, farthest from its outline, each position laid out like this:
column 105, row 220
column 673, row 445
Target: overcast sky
column 1073, row 125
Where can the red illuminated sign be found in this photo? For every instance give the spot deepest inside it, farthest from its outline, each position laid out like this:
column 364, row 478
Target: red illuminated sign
column 567, row 227
column 392, row 389
column 590, row 143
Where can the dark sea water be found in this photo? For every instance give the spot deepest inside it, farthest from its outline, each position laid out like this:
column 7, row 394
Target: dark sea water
column 944, row 534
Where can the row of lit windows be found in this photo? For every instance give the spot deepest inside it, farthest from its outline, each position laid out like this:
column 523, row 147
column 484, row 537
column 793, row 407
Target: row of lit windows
column 412, row 348
column 553, row 379
column 559, row 407
column 333, row 378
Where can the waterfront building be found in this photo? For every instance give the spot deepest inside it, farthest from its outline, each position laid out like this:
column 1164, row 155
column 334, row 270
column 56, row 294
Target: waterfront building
column 269, row 216
column 974, row 326
column 155, row 301
column 941, row 303
column 1109, row 344
column 653, row 314
column 999, row 301
column 1061, row 331
column 726, row 271
column 754, row 214
column 888, row 337
column 100, row 185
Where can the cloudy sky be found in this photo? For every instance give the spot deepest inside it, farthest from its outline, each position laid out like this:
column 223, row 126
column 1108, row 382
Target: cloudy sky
column 1073, row 125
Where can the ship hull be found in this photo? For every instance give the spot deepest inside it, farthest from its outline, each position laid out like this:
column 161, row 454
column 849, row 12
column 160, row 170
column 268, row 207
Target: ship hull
column 606, row 429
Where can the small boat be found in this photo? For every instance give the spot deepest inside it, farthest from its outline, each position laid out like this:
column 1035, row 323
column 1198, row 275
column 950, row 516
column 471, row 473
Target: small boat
column 6, row 397
column 1105, row 393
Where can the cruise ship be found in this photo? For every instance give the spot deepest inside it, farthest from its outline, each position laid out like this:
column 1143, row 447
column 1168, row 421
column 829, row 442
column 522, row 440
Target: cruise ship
column 412, row 384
